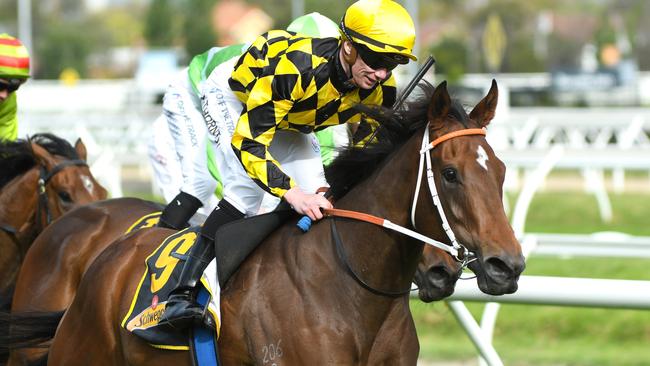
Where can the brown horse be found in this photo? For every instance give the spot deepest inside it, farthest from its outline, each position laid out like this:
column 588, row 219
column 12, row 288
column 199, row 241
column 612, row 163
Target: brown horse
column 57, row 259
column 294, row 294
column 42, row 177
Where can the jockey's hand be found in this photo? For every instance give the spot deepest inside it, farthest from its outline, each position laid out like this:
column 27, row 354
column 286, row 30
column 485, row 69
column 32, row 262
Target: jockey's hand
column 307, row 204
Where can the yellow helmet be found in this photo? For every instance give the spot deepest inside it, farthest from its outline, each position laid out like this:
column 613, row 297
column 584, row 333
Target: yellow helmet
column 383, row 26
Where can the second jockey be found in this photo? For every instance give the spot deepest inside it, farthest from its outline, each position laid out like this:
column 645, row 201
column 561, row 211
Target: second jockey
column 14, row 71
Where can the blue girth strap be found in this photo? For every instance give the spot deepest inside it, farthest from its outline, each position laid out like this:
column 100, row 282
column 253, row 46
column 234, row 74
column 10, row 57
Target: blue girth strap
column 203, row 340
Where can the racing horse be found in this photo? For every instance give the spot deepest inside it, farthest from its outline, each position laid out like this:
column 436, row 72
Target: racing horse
column 309, row 299
column 42, row 177
column 57, row 259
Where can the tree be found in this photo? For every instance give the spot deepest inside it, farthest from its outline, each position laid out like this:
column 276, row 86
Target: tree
column 61, row 46
column 158, row 28
column 8, row 15
column 451, row 58
column 197, row 28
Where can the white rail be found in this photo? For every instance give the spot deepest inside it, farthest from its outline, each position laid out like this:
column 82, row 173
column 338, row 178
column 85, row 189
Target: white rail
column 604, row 244
column 565, row 291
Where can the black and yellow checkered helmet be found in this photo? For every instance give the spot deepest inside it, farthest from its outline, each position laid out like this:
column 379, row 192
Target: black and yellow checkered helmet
column 383, row 26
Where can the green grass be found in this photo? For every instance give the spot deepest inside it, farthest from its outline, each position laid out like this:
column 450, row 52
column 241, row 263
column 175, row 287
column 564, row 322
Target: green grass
column 578, row 213
column 551, row 335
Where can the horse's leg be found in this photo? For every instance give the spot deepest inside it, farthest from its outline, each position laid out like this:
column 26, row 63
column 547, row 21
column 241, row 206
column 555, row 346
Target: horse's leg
column 397, row 341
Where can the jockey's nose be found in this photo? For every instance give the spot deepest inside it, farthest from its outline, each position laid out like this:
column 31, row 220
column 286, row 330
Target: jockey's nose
column 382, row 73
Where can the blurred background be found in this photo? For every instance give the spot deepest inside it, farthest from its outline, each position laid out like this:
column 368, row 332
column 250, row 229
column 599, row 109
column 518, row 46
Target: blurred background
column 572, row 125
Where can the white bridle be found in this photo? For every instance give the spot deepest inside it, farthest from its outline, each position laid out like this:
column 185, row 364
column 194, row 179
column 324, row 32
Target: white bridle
column 456, row 250
column 455, row 247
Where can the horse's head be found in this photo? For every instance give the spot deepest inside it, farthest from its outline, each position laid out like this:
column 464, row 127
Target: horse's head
column 64, row 176
column 436, row 274
column 469, row 179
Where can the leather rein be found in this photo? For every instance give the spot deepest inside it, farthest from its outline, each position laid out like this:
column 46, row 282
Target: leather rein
column 457, row 250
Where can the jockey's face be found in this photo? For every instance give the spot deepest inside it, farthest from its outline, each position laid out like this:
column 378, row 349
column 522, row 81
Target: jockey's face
column 363, row 75
column 4, row 93
column 8, row 86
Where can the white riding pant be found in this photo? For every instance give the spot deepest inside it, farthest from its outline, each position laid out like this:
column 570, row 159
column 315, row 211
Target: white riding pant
column 167, row 176
column 297, row 153
column 167, row 173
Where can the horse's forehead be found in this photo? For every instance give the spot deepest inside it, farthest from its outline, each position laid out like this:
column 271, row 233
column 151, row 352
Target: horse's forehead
column 75, row 177
column 470, row 150
column 482, row 157
column 88, row 183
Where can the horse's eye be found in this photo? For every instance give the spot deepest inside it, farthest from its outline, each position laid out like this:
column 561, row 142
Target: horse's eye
column 65, row 197
column 450, row 175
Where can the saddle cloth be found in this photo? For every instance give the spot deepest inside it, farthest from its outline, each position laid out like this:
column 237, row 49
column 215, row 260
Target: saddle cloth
column 234, row 242
column 163, row 268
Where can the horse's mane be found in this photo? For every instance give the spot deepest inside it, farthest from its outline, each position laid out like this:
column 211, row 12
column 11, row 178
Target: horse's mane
column 17, row 157
column 355, row 163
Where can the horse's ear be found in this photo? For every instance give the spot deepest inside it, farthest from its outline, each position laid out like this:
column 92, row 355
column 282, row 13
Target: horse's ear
column 440, row 103
column 484, row 110
column 81, row 149
column 42, row 155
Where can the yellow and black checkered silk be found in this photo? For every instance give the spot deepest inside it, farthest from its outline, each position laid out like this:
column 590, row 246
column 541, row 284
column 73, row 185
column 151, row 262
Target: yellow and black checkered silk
column 290, row 82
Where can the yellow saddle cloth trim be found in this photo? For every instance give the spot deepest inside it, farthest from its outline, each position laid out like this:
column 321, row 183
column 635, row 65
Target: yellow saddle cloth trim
column 149, row 220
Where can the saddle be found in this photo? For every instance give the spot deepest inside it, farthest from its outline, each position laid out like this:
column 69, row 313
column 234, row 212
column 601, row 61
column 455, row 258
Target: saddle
column 235, row 240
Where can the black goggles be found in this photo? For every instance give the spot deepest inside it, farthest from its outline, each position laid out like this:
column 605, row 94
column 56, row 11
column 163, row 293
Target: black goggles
column 10, row 85
column 378, row 60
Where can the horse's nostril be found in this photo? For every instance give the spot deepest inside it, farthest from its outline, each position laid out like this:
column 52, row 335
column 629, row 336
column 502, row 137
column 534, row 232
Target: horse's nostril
column 498, row 269
column 438, row 275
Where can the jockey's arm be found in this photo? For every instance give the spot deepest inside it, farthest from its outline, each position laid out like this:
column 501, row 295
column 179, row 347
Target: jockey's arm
column 267, row 105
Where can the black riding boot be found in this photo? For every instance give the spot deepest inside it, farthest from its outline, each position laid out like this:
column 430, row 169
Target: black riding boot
column 182, row 310
column 178, row 211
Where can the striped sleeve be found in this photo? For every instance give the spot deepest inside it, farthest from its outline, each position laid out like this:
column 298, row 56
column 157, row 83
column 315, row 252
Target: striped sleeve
column 272, row 94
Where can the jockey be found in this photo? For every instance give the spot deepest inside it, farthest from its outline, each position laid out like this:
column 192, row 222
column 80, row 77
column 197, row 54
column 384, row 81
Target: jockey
column 181, row 160
column 14, row 71
column 261, row 109
column 179, row 151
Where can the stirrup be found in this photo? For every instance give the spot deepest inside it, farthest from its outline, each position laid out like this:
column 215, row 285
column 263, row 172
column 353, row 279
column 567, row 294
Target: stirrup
column 207, row 320
column 204, row 319
column 181, row 313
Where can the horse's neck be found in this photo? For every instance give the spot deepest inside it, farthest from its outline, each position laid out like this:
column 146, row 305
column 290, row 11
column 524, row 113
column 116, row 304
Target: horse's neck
column 18, row 202
column 389, row 257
